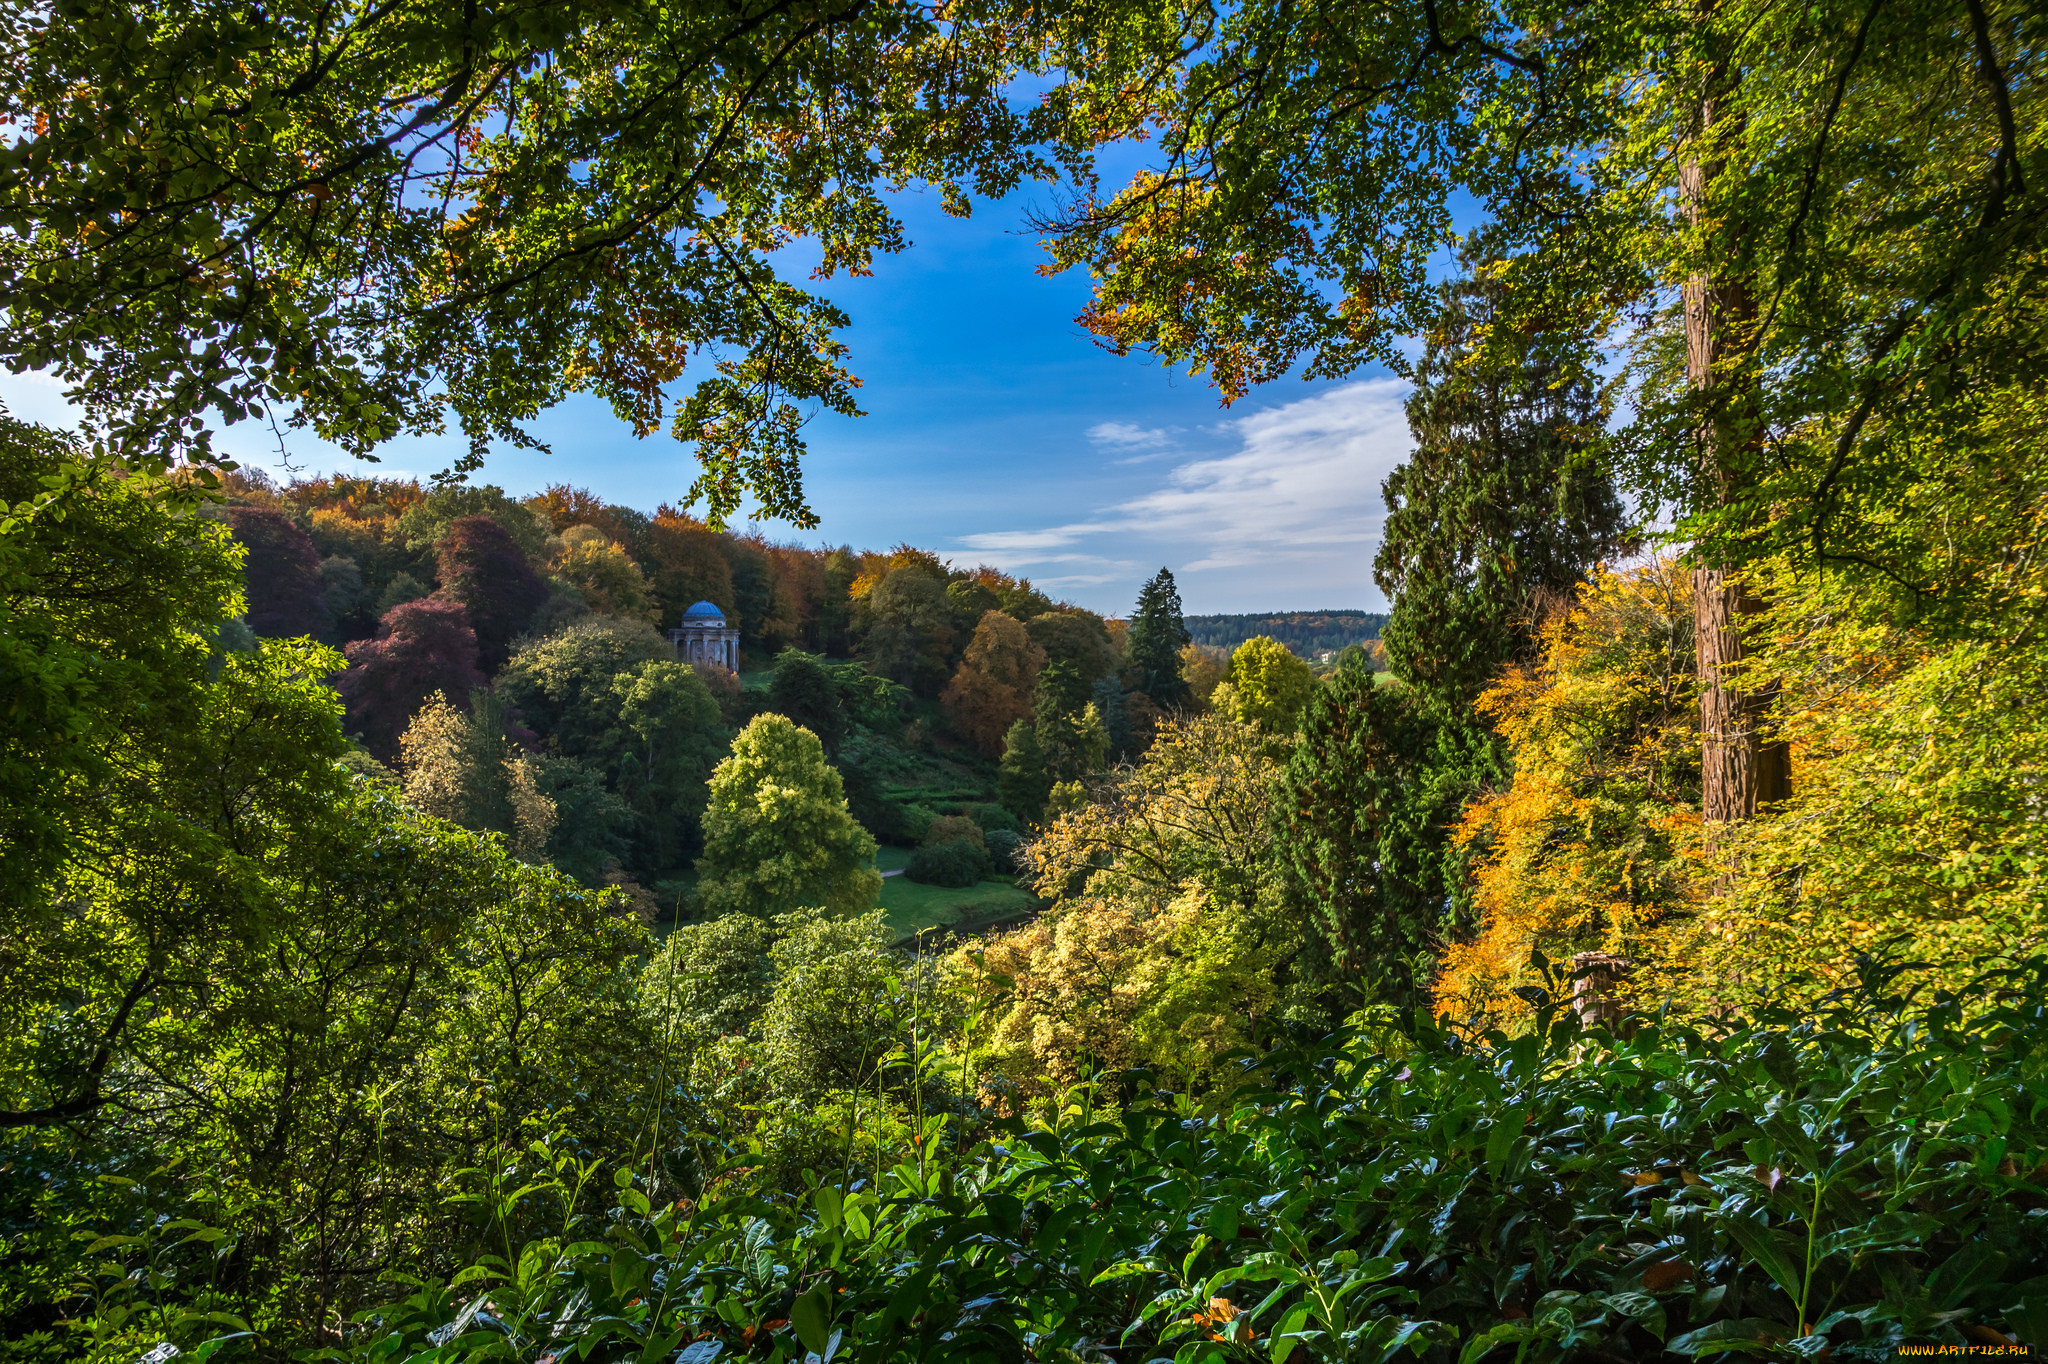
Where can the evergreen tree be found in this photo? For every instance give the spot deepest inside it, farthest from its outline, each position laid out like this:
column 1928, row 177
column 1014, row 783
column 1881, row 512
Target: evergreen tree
column 1505, row 503
column 1504, row 506
column 1075, row 743
column 1362, row 833
column 1022, row 783
column 1060, row 690
column 1152, row 649
column 1072, row 738
column 1115, row 710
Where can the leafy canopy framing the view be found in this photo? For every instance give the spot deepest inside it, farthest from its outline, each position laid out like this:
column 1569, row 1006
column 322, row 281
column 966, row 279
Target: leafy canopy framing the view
column 1853, row 191
column 365, row 219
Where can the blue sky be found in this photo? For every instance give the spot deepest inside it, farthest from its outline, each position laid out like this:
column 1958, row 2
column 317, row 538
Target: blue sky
column 999, row 432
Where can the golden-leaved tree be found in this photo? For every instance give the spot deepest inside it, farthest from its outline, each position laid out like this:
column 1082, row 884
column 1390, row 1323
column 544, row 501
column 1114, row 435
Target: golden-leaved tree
column 462, row 769
column 1913, row 830
column 1166, row 934
column 1594, row 844
column 1268, row 687
column 601, row 569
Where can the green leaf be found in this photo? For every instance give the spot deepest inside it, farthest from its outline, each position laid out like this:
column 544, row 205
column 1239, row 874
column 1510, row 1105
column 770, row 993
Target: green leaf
column 1722, row 1336
column 1644, row 1309
column 1500, row 1142
column 812, row 1317
column 1975, row 1265
column 1765, row 1248
column 1480, row 1346
column 1284, row 1338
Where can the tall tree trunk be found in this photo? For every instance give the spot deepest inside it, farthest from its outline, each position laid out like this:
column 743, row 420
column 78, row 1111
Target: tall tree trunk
column 1738, row 770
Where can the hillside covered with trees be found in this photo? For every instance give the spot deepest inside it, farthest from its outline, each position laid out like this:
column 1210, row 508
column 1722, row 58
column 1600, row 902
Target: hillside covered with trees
column 1308, row 634
column 406, row 955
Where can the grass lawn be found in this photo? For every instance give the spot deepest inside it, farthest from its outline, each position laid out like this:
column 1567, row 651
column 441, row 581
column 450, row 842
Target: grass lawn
column 914, row 908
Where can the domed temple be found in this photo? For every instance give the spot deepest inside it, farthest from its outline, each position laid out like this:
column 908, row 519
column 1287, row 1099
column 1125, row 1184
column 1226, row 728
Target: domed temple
column 704, row 637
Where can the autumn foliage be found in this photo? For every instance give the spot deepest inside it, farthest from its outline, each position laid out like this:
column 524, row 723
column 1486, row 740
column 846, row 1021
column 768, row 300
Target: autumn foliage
column 993, row 687
column 1595, row 843
column 423, row 649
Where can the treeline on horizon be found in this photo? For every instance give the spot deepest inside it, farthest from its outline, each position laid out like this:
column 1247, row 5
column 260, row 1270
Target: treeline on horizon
column 375, row 542
column 1307, row 633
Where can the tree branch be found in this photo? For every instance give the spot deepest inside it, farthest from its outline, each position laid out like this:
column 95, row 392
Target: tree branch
column 89, row 1098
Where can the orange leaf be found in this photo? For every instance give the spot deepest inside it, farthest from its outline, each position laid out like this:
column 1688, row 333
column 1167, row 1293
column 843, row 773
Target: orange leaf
column 1665, row 1274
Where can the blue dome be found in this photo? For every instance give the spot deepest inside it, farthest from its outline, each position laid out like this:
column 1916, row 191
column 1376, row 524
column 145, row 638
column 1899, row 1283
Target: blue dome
column 704, row 610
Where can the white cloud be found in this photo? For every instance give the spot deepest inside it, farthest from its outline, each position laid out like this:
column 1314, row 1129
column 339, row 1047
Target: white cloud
column 1304, row 480
column 1292, row 515
column 1129, row 436
column 1022, row 544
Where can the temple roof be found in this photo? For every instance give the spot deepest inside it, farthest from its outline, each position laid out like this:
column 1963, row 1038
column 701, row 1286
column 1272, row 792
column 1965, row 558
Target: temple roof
column 704, row 613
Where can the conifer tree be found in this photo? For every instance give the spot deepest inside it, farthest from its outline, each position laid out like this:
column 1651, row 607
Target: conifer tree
column 1073, row 741
column 1022, row 782
column 1152, row 649
column 1359, row 838
column 1504, row 504
column 1113, row 705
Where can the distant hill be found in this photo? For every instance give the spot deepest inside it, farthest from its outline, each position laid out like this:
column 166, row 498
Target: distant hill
column 1305, row 633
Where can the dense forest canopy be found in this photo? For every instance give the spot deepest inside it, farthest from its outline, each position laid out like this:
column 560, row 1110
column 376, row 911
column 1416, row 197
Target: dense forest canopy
column 407, row 952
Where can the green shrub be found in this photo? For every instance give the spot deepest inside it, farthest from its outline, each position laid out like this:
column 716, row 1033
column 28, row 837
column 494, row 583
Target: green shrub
column 1832, row 1186
column 1002, row 850
column 956, row 863
column 909, row 823
column 951, row 828
column 991, row 817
